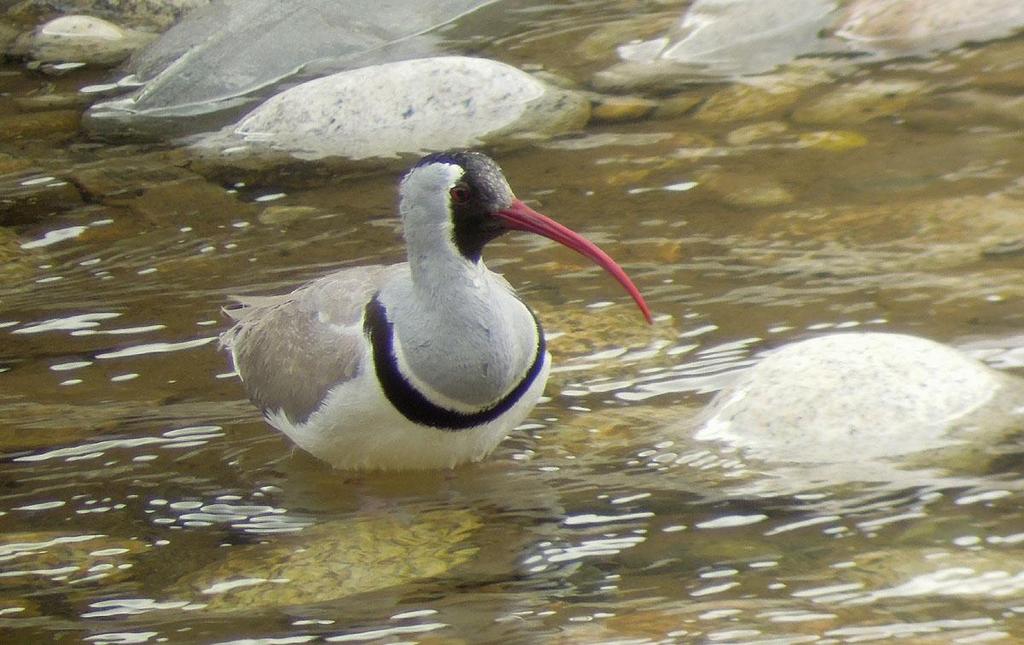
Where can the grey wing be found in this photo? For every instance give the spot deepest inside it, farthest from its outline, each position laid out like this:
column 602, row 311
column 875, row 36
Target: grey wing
column 291, row 350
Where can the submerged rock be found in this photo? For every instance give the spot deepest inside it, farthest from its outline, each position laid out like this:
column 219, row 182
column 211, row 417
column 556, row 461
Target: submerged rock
column 909, row 26
column 405, row 107
column 856, row 397
column 80, row 39
column 723, row 38
column 225, row 57
column 861, row 102
column 337, row 559
column 716, row 39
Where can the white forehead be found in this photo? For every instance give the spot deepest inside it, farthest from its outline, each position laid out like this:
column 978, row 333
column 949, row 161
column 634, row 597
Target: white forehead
column 430, row 181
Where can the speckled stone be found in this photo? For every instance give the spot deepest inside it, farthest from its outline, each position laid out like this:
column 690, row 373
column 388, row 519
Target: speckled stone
column 382, row 111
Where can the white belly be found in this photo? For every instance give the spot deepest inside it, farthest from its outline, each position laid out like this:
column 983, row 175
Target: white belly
column 358, row 429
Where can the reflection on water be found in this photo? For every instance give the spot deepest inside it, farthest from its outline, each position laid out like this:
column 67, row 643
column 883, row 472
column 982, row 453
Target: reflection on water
column 143, row 500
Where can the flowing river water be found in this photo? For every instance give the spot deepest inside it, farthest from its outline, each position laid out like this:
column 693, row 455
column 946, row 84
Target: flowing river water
column 143, row 499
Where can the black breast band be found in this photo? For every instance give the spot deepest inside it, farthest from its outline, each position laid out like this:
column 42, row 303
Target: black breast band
column 416, row 407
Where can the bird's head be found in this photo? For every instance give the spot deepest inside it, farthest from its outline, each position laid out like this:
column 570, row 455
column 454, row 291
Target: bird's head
column 457, row 202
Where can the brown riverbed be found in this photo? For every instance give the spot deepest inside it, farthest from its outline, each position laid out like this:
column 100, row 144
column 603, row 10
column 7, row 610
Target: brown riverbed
column 144, row 500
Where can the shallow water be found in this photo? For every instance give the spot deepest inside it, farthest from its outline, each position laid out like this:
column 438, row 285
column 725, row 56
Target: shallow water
column 144, row 500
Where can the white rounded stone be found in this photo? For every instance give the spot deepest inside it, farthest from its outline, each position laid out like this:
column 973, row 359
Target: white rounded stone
column 857, row 397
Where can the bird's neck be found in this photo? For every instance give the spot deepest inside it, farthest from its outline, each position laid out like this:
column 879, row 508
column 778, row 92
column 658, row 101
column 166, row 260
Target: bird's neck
column 461, row 333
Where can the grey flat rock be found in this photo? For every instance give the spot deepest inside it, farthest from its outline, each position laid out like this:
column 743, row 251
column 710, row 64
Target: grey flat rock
column 233, row 52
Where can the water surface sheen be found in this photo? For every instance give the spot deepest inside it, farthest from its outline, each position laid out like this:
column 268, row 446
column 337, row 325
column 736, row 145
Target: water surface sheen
column 142, row 499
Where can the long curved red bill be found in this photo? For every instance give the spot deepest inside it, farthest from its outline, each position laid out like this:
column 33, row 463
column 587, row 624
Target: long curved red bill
column 520, row 217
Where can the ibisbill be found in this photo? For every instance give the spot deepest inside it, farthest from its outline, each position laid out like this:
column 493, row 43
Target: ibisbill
column 425, row 364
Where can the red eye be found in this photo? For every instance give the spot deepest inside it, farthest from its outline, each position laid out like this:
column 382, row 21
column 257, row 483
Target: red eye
column 459, row 193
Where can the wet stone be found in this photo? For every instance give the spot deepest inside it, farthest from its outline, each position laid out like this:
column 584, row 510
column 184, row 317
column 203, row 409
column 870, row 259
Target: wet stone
column 991, row 106
column 8, row 34
column 125, row 176
column 600, row 43
column 756, row 132
column 998, row 66
column 80, row 39
column 150, row 15
column 927, row 25
column 16, row 264
column 861, row 102
column 720, row 40
column 677, row 105
column 853, row 396
column 407, row 107
column 49, row 559
column 833, row 140
column 931, row 234
column 337, row 559
column 27, row 198
column 155, row 188
column 10, row 164
column 614, row 109
column 48, row 101
column 285, row 215
column 744, row 189
column 187, row 200
column 743, row 102
column 54, row 125
column 601, row 338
